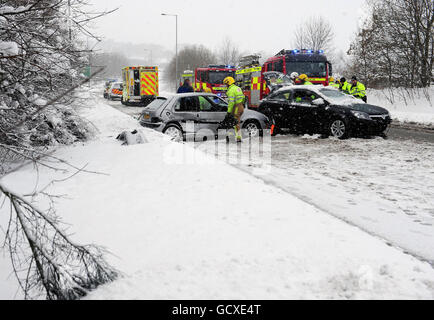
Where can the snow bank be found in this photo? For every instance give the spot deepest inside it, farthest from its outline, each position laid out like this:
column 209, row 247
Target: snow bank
column 206, row 230
column 406, row 105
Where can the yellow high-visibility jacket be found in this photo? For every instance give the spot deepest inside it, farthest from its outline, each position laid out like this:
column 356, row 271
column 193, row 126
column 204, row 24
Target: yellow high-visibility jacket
column 235, row 96
column 358, row 91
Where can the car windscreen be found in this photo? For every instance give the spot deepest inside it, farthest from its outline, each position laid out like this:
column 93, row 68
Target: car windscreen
column 277, row 78
column 219, row 101
column 156, row 104
column 311, row 69
column 118, row 86
column 333, row 94
column 337, row 97
column 217, row 77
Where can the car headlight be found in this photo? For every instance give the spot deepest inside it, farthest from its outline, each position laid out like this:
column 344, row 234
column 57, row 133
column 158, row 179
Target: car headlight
column 361, row 115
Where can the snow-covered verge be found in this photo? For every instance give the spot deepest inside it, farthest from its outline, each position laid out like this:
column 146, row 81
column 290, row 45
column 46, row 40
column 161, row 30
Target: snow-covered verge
column 408, row 106
column 182, row 225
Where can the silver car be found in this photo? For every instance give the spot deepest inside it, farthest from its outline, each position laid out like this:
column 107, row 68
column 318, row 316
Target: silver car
column 196, row 114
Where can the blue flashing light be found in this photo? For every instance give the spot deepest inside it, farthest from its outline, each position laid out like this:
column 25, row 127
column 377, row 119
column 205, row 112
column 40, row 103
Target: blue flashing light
column 321, row 51
column 309, row 51
column 230, row 67
column 296, row 51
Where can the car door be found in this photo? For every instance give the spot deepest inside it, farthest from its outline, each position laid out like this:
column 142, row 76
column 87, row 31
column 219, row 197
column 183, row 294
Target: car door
column 186, row 113
column 279, row 109
column 210, row 115
column 306, row 114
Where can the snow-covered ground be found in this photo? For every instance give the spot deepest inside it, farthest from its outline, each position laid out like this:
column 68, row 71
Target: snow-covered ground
column 385, row 187
column 182, row 225
column 408, row 106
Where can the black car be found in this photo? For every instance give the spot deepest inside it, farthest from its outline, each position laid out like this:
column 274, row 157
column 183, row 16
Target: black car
column 323, row 110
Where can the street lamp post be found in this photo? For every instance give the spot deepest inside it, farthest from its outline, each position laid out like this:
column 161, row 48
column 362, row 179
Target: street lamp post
column 176, row 59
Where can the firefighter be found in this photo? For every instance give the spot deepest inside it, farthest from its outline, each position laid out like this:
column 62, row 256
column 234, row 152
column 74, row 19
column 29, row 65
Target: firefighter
column 294, row 76
column 304, row 81
column 186, row 87
column 235, row 104
column 344, row 86
column 334, row 84
column 358, row 89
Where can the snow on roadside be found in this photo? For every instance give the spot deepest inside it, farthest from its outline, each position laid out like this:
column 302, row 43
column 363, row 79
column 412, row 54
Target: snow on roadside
column 200, row 229
column 417, row 109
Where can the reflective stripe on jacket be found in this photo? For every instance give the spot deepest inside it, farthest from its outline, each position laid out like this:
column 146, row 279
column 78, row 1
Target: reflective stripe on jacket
column 235, row 96
column 345, row 87
column 359, row 90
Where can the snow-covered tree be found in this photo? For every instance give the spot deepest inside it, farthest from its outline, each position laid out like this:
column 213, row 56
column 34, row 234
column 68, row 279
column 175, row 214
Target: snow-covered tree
column 229, row 52
column 42, row 57
column 395, row 46
column 189, row 58
column 316, row 34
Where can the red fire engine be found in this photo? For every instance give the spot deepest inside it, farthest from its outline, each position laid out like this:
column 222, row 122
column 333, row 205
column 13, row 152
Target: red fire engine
column 256, row 80
column 312, row 63
column 212, row 78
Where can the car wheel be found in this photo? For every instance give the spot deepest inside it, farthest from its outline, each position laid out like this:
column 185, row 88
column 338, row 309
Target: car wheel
column 339, row 129
column 174, row 132
column 253, row 129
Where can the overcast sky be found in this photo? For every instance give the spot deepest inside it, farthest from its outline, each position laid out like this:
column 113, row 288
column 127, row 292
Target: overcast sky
column 256, row 25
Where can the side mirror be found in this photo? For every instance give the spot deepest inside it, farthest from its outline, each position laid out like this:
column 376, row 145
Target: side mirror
column 318, row 102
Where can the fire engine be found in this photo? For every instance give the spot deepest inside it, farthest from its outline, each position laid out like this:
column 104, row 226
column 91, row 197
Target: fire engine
column 140, row 85
column 312, row 63
column 254, row 79
column 249, row 78
column 212, row 77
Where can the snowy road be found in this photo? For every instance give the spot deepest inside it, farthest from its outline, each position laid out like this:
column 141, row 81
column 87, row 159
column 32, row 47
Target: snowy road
column 385, row 187
column 400, row 132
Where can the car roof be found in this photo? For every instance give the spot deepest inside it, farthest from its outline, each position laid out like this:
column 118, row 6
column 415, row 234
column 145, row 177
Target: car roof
column 315, row 88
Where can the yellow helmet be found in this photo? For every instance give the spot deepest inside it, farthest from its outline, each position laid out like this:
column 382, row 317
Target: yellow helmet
column 303, row 77
column 331, row 79
column 229, row 81
column 207, row 90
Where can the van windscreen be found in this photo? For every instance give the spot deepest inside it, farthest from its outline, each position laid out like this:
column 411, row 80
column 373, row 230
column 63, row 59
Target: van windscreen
column 217, row 77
